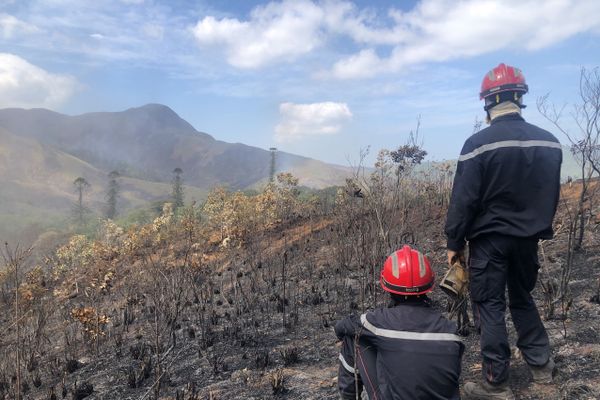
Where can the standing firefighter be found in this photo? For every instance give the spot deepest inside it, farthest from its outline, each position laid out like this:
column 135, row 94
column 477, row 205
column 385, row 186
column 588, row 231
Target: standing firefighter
column 503, row 201
column 405, row 351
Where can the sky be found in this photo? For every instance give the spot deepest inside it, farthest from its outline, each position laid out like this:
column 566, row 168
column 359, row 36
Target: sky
column 319, row 78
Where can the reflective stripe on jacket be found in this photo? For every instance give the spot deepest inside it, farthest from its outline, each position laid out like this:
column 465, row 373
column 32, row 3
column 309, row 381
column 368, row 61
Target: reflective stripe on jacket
column 507, row 182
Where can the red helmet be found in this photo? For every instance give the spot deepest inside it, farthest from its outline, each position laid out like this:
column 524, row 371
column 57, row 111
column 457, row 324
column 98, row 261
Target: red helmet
column 407, row 272
column 503, row 78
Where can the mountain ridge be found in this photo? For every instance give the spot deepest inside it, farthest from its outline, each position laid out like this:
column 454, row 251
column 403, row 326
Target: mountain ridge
column 42, row 152
column 148, row 142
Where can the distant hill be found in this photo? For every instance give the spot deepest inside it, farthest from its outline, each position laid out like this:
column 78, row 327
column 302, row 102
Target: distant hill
column 150, row 141
column 42, row 152
column 37, row 189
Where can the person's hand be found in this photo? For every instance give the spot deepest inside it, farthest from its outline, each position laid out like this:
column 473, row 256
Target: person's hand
column 456, row 255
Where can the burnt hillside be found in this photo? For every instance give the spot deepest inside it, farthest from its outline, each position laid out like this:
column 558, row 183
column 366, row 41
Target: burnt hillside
column 237, row 298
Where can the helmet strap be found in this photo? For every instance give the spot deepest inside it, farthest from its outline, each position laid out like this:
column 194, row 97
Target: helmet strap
column 398, row 299
column 495, row 99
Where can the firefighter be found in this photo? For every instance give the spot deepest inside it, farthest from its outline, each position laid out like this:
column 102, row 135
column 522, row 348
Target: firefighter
column 503, row 201
column 405, row 351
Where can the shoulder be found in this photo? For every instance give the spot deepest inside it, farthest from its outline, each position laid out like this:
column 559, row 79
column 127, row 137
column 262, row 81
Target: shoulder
column 478, row 139
column 409, row 323
column 507, row 134
column 410, row 317
column 540, row 133
column 376, row 314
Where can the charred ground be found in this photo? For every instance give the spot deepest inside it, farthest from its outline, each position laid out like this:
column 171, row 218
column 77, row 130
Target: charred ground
column 240, row 302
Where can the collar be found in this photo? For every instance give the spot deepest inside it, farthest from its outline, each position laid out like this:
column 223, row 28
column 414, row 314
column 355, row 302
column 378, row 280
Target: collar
column 508, row 117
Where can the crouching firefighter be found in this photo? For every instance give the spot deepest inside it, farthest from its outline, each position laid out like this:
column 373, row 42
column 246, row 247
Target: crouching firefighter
column 407, row 350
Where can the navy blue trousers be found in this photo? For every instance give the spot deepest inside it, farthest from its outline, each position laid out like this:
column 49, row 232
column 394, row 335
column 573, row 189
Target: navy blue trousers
column 498, row 262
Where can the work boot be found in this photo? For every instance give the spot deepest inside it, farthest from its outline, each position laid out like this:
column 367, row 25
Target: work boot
column 485, row 390
column 543, row 374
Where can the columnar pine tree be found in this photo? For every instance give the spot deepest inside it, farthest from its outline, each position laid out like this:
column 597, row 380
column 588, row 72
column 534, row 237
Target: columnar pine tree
column 273, row 166
column 177, row 188
column 112, row 194
column 80, row 210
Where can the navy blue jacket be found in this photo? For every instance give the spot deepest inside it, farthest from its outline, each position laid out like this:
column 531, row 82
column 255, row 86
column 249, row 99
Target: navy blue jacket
column 406, row 352
column 507, row 182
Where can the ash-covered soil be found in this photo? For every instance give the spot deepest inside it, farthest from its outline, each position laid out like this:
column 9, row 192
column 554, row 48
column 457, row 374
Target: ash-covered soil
column 255, row 320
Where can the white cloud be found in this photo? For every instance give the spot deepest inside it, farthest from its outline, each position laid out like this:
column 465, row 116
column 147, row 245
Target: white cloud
column 440, row 30
column 364, row 64
column 433, row 31
column 363, row 26
column 25, row 85
column 10, row 25
column 299, row 120
column 341, row 39
column 275, row 32
column 283, row 31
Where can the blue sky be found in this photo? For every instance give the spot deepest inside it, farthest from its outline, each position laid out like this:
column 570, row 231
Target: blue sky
column 318, row 78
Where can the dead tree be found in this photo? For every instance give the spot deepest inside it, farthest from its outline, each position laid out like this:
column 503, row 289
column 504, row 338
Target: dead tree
column 584, row 139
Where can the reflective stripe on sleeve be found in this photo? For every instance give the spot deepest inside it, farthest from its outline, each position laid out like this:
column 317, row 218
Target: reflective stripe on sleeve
column 509, row 143
column 389, row 333
column 346, row 366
